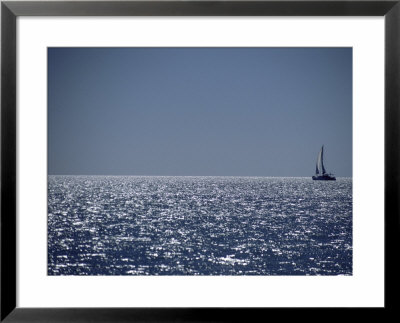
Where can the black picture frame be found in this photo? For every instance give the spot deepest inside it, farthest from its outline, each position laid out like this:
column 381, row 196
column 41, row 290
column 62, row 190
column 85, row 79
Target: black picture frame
column 10, row 10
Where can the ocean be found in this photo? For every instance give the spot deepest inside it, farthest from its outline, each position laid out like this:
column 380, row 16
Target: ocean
column 178, row 225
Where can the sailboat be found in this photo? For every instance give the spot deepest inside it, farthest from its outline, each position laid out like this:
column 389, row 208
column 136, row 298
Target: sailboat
column 320, row 172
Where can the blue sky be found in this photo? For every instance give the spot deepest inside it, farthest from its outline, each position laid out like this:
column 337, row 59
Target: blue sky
column 199, row 111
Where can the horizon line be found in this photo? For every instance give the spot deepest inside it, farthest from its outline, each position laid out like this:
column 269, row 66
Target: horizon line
column 131, row 175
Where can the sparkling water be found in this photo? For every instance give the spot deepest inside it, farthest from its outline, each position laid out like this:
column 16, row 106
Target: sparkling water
column 138, row 225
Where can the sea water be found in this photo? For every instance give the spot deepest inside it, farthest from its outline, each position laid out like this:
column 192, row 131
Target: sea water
column 136, row 225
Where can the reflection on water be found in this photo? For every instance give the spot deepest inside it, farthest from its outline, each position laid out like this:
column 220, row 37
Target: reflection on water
column 105, row 225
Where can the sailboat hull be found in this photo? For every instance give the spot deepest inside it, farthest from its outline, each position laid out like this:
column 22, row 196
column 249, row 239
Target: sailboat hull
column 324, row 178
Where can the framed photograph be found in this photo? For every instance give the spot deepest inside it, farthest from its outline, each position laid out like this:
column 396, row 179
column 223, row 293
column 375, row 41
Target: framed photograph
column 197, row 160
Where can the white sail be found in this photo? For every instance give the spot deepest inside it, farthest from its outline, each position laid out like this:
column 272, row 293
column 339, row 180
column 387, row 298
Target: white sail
column 320, row 169
column 317, row 169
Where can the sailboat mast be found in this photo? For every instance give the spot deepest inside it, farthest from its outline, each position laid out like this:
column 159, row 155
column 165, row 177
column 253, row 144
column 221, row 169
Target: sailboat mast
column 322, row 160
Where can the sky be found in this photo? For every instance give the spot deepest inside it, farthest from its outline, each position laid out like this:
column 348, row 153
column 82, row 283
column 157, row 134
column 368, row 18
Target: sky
column 199, row 111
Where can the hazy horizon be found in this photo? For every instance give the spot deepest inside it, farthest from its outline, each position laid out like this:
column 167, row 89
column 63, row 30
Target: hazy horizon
column 133, row 175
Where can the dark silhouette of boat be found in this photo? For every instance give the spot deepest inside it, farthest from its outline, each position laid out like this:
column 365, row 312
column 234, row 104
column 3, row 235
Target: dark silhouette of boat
column 320, row 172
